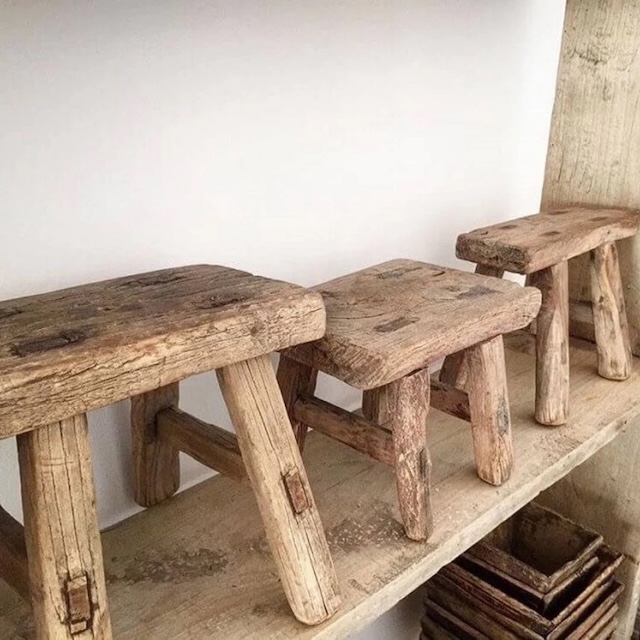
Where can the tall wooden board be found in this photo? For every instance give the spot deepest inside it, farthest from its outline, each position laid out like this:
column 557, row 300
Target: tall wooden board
column 594, row 159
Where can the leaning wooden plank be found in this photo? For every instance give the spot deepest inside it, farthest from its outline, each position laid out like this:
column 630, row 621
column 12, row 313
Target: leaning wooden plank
column 594, row 159
column 13, row 554
column 69, row 351
column 346, row 427
column 280, row 484
column 61, row 529
column 208, row 444
column 156, row 464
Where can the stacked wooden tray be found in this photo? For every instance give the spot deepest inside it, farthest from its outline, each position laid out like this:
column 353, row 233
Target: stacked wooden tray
column 537, row 576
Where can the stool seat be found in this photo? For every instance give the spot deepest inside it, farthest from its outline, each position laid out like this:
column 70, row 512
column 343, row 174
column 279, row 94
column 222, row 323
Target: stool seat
column 395, row 318
column 530, row 244
column 66, row 352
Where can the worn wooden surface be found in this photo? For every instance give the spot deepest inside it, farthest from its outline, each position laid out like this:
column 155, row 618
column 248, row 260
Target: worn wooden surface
column 13, row 554
column 532, row 243
column 208, row 444
column 409, row 406
column 295, row 379
column 594, row 159
column 394, row 318
column 156, row 464
column 279, row 481
column 203, row 554
column 489, row 411
column 375, row 404
column 346, row 427
column 66, row 352
column 66, row 572
column 552, row 346
column 609, row 315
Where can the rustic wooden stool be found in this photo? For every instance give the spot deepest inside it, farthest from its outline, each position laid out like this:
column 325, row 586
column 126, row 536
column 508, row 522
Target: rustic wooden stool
column 65, row 353
column 540, row 246
column 385, row 325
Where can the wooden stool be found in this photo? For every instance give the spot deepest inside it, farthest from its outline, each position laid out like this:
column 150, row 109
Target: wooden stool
column 385, row 325
column 65, row 353
column 540, row 246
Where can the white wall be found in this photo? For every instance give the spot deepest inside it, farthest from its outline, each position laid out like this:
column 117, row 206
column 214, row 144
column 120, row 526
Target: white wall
column 296, row 139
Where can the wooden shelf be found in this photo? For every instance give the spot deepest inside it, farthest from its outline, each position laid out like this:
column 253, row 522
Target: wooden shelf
column 198, row 566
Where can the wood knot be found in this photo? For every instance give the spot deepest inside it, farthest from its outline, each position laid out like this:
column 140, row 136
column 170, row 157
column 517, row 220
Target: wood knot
column 394, row 325
column 63, row 339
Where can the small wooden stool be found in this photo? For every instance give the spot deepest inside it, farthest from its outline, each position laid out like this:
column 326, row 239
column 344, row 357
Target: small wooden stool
column 540, row 246
column 65, row 353
column 385, row 325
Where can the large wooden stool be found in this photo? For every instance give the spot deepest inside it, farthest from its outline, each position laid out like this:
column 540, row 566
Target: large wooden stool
column 385, row 326
column 65, row 353
column 540, row 246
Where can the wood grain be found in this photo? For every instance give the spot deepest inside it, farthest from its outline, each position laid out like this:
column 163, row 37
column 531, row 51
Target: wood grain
column 489, row 409
column 68, row 593
column 395, row 318
column 204, row 554
column 594, row 159
column 552, row 346
column 346, row 427
column 609, row 315
column 271, row 455
column 295, row 379
column 536, row 242
column 208, row 444
column 69, row 351
column 409, row 406
column 156, row 463
column 450, row 400
column 375, row 405
column 13, row 554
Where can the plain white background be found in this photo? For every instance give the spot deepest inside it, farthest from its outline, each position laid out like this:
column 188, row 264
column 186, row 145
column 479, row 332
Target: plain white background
column 292, row 138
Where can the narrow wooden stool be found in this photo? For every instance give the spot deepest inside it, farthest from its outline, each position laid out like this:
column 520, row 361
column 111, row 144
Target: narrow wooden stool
column 385, row 325
column 65, row 353
column 540, row 246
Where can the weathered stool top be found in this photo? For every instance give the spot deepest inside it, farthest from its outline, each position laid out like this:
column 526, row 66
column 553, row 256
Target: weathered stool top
column 532, row 243
column 389, row 320
column 66, row 352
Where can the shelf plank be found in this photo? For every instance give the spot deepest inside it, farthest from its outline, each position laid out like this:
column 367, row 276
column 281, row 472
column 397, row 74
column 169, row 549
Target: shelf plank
column 198, row 565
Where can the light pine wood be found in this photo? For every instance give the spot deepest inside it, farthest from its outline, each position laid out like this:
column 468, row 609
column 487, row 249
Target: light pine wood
column 13, row 554
column 533, row 243
column 346, row 427
column 296, row 379
column 208, row 444
column 609, row 314
column 203, row 553
column 594, row 159
column 489, row 409
column 552, row 346
column 375, row 405
column 409, row 406
column 156, row 464
column 395, row 318
column 69, row 351
column 68, row 593
column 281, row 488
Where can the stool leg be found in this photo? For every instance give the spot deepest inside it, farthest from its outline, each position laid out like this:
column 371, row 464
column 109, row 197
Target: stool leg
column 280, row 484
column 489, row 408
column 409, row 404
column 454, row 371
column 61, row 531
column 609, row 315
column 552, row 345
column 295, row 380
column 156, row 465
column 375, row 405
